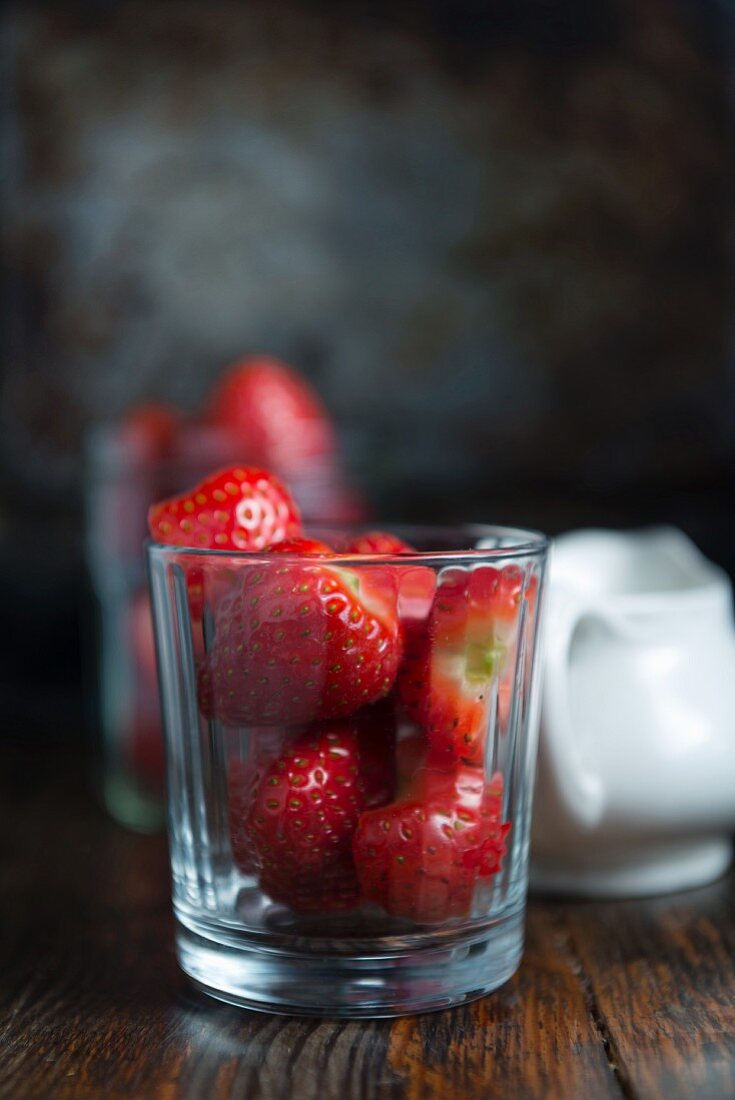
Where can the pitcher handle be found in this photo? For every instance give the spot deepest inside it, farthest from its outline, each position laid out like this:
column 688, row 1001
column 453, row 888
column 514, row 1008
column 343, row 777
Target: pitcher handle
column 580, row 789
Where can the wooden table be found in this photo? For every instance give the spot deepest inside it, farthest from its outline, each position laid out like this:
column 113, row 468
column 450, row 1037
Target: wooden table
column 614, row 1000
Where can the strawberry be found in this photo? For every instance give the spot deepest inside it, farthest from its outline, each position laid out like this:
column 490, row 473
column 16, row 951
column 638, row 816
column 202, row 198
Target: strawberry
column 295, row 642
column 205, row 689
column 416, row 587
column 240, row 508
column 421, row 858
column 195, row 591
column 506, row 686
column 244, row 778
column 416, row 583
column 378, row 542
column 447, row 677
column 148, row 432
column 304, row 813
column 301, row 546
column 210, row 584
column 410, row 757
column 277, row 414
column 376, row 728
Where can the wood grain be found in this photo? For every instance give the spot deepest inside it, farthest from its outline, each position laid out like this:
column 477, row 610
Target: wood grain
column 532, row 1038
column 661, row 981
column 612, row 1001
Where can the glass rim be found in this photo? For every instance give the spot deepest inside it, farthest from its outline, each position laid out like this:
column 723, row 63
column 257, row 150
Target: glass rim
column 528, row 543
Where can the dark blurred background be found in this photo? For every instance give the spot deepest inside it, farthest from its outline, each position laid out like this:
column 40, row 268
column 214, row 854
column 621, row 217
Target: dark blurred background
column 496, row 236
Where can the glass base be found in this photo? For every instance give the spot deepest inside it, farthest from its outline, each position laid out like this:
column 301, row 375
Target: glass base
column 436, row 975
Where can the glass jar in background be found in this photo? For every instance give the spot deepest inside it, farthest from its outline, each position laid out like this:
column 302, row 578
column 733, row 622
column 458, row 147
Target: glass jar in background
column 350, row 751
column 124, row 476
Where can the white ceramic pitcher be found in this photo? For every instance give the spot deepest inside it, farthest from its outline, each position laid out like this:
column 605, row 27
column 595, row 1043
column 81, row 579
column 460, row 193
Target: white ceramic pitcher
column 636, row 780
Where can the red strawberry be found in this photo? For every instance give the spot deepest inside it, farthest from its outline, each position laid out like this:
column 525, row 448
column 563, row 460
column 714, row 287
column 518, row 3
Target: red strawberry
column 205, row 689
column 506, row 685
column 378, row 542
column 422, row 858
column 414, row 673
column 148, row 432
column 304, row 814
column 376, row 728
column 416, row 586
column 416, row 583
column 241, row 508
column 244, row 778
column 216, row 580
column 301, row 546
column 410, row 759
column 195, row 591
column 295, row 642
column 278, row 415
column 447, row 677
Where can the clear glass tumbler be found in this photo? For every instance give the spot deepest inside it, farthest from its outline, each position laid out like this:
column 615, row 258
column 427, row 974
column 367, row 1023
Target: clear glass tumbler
column 121, row 484
column 350, row 749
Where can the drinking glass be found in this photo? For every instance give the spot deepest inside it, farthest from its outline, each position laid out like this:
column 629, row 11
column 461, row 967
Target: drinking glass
column 348, row 818
column 120, row 485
